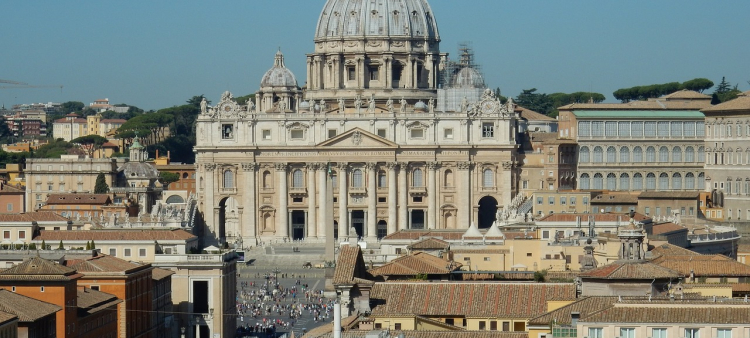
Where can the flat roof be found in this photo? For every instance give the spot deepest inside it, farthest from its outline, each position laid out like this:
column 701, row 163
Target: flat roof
column 643, row 114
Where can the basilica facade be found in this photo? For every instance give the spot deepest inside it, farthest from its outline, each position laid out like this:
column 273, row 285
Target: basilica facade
column 362, row 145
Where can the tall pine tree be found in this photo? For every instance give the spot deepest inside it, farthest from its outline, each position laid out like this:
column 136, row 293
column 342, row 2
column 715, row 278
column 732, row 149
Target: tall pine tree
column 101, row 186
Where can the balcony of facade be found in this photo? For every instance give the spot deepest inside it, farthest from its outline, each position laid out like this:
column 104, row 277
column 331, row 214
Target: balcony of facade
column 418, row 190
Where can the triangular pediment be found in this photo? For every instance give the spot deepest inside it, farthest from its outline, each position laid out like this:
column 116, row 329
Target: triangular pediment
column 357, row 138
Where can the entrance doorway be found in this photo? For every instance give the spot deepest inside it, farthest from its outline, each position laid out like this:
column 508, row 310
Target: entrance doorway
column 228, row 219
column 358, row 222
column 382, row 229
column 417, row 219
column 336, row 229
column 298, row 225
column 487, row 212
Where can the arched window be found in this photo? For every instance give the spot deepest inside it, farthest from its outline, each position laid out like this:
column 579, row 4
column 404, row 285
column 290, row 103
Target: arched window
column 730, row 156
column 298, row 179
column 598, row 181
column 689, row 181
column 382, row 179
column 637, row 154
column 583, row 155
column 598, row 154
column 611, row 181
column 585, row 182
column 637, row 181
column 624, row 181
column 488, row 179
column 701, row 181
column 676, row 181
column 663, row 181
column 650, row 181
column 267, row 181
column 663, row 154
column 650, row 154
column 357, row 180
column 448, row 178
column 701, row 156
column 611, row 154
column 417, row 178
column 624, row 155
column 689, row 154
column 676, row 154
column 228, row 179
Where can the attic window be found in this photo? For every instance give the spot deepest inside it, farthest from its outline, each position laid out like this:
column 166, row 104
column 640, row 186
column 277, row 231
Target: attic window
column 77, row 198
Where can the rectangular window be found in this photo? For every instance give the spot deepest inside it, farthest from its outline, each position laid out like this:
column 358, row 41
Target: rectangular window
column 688, row 129
column 112, row 252
column 676, row 129
column 297, row 134
column 658, row 211
column 627, row 332
column 397, row 326
column 448, row 133
column 266, row 134
column 351, row 73
column 545, row 234
column 551, row 200
column 636, row 129
column 572, row 200
column 6, row 234
column 127, row 253
column 596, row 332
column 10, row 206
column 584, row 128
column 597, row 128
column 493, row 325
column 610, row 129
column 22, row 234
column 381, row 132
column 539, row 200
column 649, row 129
column 332, row 133
column 142, row 252
column 563, row 200
column 623, row 129
column 227, row 131
column 723, row 333
column 488, row 130
column 417, row 133
column 374, row 73
column 482, row 325
column 525, row 184
column 692, row 333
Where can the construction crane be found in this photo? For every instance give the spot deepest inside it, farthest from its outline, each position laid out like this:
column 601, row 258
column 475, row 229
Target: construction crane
column 22, row 85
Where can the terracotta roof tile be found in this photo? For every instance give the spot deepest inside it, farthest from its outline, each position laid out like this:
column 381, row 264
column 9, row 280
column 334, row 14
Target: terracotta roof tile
column 25, row 308
column 615, row 199
column 93, row 301
column 668, row 227
column 685, row 313
column 584, row 306
column 499, row 300
column 447, row 234
column 630, row 270
column 411, row 265
column 5, row 317
column 38, row 216
column 669, row 195
column 716, row 267
column 106, row 264
column 350, row 265
column 606, row 217
column 656, row 104
column 429, row 244
column 95, row 199
column 316, row 333
column 741, row 103
column 159, row 273
column 530, row 115
column 115, row 235
column 36, row 268
column 686, row 94
column 671, row 249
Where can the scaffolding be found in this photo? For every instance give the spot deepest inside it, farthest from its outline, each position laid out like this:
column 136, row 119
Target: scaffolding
column 460, row 79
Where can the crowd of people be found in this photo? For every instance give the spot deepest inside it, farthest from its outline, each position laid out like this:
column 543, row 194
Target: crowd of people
column 257, row 303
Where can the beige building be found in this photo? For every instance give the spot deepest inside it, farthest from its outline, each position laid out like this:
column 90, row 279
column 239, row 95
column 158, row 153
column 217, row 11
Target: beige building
column 69, row 127
column 361, row 147
column 728, row 156
column 548, row 202
column 547, row 162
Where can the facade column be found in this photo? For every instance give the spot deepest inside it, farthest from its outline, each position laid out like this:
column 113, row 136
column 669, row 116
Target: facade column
column 323, row 200
column 392, row 205
column 248, row 230
column 208, row 193
column 372, row 199
column 309, row 72
column 465, row 210
column 343, row 200
column 282, row 221
column 387, row 75
column 403, row 213
column 312, row 218
column 507, row 189
column 431, row 195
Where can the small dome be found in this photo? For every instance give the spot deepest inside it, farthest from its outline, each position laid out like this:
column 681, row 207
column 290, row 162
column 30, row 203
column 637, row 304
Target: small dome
column 139, row 170
column 279, row 75
column 420, row 106
column 304, row 105
column 468, row 77
column 384, row 18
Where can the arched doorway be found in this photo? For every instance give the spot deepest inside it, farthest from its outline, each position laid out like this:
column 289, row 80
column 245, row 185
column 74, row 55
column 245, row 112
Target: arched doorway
column 358, row 222
column 382, row 229
column 487, row 212
column 298, row 225
column 228, row 219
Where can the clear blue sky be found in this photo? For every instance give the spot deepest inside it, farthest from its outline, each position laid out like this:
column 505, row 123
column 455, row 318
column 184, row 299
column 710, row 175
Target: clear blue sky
column 156, row 54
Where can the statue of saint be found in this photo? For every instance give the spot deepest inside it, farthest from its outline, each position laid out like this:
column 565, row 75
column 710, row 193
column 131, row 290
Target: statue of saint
column 371, row 104
column 342, row 105
column 250, row 106
column 204, row 105
column 358, row 103
column 403, row 105
column 464, row 105
column 323, row 105
column 282, row 106
column 389, row 105
column 431, row 105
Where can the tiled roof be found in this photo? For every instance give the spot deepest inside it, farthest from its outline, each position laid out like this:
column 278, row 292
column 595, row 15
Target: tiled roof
column 630, row 270
column 97, row 199
column 411, row 265
column 38, row 216
column 689, row 314
column 615, row 199
column 668, row 227
column 113, row 121
column 530, row 115
column 109, row 145
column 671, row 249
column 327, row 329
column 350, row 266
column 159, row 273
column 325, row 332
column 715, row 267
column 686, row 94
column 741, row 103
column 25, row 308
column 115, row 235
column 93, row 301
column 607, row 217
column 429, row 244
column 105, row 263
column 670, row 194
column 584, row 307
column 36, row 268
column 499, row 300
column 76, row 121
column 5, row 316
column 448, row 234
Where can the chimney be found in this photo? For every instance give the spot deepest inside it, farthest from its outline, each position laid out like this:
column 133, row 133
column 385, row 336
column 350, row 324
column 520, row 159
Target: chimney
column 574, row 317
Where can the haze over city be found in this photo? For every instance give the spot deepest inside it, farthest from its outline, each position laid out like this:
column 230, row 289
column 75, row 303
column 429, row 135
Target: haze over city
column 159, row 54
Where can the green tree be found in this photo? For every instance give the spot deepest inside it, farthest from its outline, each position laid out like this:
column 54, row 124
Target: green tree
column 101, row 186
column 89, row 144
column 88, row 245
column 724, row 92
column 6, row 135
column 168, row 178
column 54, row 149
column 61, row 247
column 44, row 245
column 93, row 245
column 71, row 107
column 243, row 99
column 537, row 102
column 196, row 100
column 723, row 86
column 698, row 84
column 540, row 276
column 32, row 246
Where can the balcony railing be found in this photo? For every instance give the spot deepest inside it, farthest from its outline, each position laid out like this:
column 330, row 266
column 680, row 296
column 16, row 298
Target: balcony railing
column 227, row 191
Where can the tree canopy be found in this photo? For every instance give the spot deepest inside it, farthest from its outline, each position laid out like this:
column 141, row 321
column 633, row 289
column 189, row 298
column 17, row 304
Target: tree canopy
column 89, row 143
column 54, row 149
column 168, row 178
column 71, row 107
column 101, row 187
column 547, row 104
column 724, row 92
column 657, row 90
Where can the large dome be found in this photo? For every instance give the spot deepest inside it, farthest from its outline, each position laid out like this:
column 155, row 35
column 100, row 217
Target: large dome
column 468, row 77
column 383, row 18
column 279, row 75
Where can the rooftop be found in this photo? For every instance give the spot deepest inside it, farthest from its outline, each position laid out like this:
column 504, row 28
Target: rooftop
column 104, row 264
column 96, row 199
column 411, row 265
column 36, row 268
column 36, row 216
column 606, row 217
column 92, row 301
column 25, row 308
column 741, row 103
column 115, row 235
column 716, row 313
column 640, row 114
column 430, row 243
column 350, row 267
column 630, row 270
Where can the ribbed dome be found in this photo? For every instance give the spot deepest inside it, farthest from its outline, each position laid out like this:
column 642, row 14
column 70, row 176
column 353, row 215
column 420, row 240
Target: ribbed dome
column 279, row 75
column 391, row 18
column 468, row 78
